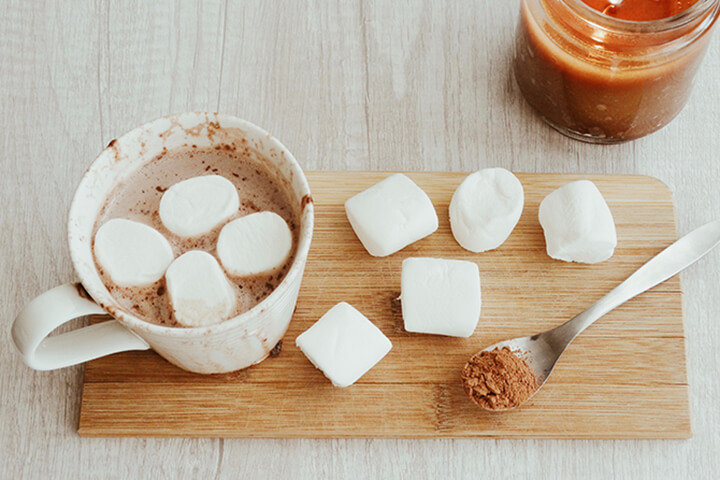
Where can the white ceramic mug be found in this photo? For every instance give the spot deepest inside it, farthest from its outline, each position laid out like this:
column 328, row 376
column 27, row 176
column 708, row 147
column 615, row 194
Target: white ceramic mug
column 231, row 345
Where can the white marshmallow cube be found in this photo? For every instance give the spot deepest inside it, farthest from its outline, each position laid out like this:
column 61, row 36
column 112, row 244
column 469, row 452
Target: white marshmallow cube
column 343, row 344
column 197, row 205
column 485, row 209
column 391, row 215
column 258, row 243
column 578, row 224
column 200, row 293
column 131, row 253
column 440, row 296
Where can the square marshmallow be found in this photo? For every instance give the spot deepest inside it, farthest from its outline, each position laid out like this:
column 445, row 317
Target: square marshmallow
column 343, row 344
column 391, row 215
column 440, row 296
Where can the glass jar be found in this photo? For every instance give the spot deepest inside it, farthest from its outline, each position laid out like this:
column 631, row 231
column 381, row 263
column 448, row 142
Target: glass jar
column 599, row 79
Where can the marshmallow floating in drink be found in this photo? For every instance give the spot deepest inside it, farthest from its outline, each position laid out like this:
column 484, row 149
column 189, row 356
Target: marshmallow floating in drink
column 343, row 344
column 577, row 223
column 391, row 215
column 197, row 205
column 200, row 293
column 440, row 296
column 258, row 243
column 485, row 209
column 131, row 253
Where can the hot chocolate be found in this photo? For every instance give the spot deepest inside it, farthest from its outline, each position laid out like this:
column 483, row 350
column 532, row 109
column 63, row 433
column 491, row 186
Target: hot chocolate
column 260, row 188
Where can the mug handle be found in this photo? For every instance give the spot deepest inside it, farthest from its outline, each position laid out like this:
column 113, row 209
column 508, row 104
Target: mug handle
column 55, row 307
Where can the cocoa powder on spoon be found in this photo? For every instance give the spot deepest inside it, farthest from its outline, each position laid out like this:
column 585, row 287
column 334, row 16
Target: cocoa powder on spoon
column 498, row 379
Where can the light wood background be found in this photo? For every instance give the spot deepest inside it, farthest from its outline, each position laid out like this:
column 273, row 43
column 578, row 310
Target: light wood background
column 378, row 85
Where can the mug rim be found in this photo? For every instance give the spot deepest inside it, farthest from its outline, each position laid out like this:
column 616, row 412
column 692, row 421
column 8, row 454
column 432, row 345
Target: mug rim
column 135, row 323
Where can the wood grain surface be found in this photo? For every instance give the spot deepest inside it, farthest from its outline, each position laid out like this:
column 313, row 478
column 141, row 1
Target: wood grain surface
column 636, row 353
column 368, row 85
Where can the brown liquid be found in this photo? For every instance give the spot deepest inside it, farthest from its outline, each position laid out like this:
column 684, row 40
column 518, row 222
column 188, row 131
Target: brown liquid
column 260, row 188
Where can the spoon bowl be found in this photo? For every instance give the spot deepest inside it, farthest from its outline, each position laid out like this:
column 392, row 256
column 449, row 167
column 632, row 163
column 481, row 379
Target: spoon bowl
column 539, row 354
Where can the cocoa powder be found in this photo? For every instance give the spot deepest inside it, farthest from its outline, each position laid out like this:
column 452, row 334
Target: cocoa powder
column 498, row 379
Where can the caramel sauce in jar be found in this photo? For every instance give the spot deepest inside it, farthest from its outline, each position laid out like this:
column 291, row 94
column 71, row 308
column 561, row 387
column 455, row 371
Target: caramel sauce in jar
column 609, row 75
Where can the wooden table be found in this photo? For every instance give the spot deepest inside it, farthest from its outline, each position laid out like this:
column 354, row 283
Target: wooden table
column 376, row 85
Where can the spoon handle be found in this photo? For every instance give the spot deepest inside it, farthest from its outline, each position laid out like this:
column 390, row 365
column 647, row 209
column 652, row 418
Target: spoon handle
column 668, row 263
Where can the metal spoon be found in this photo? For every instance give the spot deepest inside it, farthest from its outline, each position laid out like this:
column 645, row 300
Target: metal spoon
column 542, row 350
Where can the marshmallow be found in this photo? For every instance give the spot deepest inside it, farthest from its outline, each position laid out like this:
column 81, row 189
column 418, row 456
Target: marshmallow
column 343, row 344
column 577, row 223
column 485, row 209
column 255, row 244
column 440, row 296
column 391, row 215
column 197, row 205
column 199, row 291
column 132, row 254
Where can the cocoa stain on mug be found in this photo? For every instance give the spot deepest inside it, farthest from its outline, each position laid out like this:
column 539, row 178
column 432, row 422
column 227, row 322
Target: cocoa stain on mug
column 276, row 349
column 110, row 309
column 208, row 128
column 113, row 145
column 82, row 293
column 212, row 128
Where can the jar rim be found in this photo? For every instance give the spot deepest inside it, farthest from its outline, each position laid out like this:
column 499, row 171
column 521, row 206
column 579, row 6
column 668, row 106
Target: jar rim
column 690, row 14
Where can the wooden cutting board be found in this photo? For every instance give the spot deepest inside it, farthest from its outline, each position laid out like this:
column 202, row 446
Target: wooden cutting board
column 625, row 377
